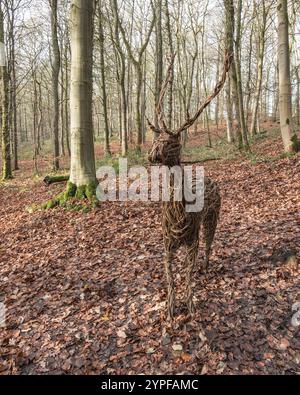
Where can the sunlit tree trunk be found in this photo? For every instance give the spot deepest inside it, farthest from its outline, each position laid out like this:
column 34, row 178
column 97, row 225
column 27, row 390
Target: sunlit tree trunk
column 55, row 82
column 298, row 96
column 158, row 57
column 285, row 93
column 11, row 14
column 260, row 68
column 121, row 79
column 103, row 80
column 238, row 37
column 229, row 120
column 230, row 27
column 217, row 108
column 5, row 138
column 171, row 50
column 83, row 171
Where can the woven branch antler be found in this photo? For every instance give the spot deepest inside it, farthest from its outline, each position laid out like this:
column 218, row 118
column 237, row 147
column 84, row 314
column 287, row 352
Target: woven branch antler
column 190, row 121
column 159, row 107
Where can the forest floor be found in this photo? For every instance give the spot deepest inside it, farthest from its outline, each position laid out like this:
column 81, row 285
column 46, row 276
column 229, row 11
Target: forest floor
column 85, row 292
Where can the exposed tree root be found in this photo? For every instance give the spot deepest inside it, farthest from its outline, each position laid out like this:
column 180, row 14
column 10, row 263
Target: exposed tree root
column 72, row 195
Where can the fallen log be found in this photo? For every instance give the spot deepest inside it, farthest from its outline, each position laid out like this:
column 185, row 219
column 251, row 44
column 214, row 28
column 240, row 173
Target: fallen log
column 55, row 179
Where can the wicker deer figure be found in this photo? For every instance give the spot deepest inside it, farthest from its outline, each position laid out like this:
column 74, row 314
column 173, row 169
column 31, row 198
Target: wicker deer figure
column 181, row 228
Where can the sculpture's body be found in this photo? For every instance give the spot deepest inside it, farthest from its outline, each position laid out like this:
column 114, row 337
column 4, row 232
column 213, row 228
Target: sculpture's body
column 180, row 227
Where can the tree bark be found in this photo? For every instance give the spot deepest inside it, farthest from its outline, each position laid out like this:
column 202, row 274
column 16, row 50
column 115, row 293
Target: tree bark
column 298, row 96
column 171, row 49
column 121, row 80
column 285, row 93
column 83, row 172
column 230, row 28
column 159, row 58
column 260, row 68
column 55, row 82
column 229, row 112
column 244, row 128
column 103, row 80
column 5, row 138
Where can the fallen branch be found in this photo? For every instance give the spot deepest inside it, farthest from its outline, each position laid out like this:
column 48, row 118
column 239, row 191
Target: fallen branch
column 55, row 179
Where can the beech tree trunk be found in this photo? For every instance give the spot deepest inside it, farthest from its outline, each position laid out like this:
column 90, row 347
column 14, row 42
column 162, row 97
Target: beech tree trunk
column 121, row 80
column 83, row 172
column 55, row 82
column 171, row 49
column 285, row 93
column 238, row 37
column 159, row 57
column 230, row 28
column 103, row 81
column 5, row 138
column 260, row 68
column 11, row 10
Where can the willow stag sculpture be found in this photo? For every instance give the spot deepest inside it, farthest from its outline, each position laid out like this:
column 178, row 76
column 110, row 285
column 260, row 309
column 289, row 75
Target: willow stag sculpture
column 180, row 227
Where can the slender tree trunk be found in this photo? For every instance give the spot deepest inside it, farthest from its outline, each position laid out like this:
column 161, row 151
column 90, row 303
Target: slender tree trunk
column 13, row 121
column 67, row 99
column 217, row 108
column 55, row 82
column 40, row 116
column 14, row 102
column 39, row 111
column 230, row 28
column 285, row 93
column 276, row 95
column 144, row 99
column 36, row 136
column 103, row 81
column 122, row 81
column 249, row 73
column 5, row 138
column 138, row 109
column 298, row 96
column 25, row 125
column 260, row 68
column 243, row 123
column 62, row 110
column 159, row 57
column 171, row 50
column 229, row 112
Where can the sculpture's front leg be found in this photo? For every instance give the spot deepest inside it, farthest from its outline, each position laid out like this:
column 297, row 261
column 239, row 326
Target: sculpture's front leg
column 192, row 253
column 170, row 284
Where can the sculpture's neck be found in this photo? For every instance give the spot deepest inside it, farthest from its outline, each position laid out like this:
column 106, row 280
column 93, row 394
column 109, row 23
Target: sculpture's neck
column 172, row 163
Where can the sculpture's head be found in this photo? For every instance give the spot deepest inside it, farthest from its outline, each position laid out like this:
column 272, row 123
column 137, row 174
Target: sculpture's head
column 166, row 150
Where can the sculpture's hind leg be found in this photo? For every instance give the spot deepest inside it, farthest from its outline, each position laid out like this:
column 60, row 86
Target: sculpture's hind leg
column 170, row 284
column 192, row 253
column 210, row 223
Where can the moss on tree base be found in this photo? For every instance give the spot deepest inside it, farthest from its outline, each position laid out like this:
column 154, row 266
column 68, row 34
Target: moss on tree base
column 7, row 177
column 71, row 194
